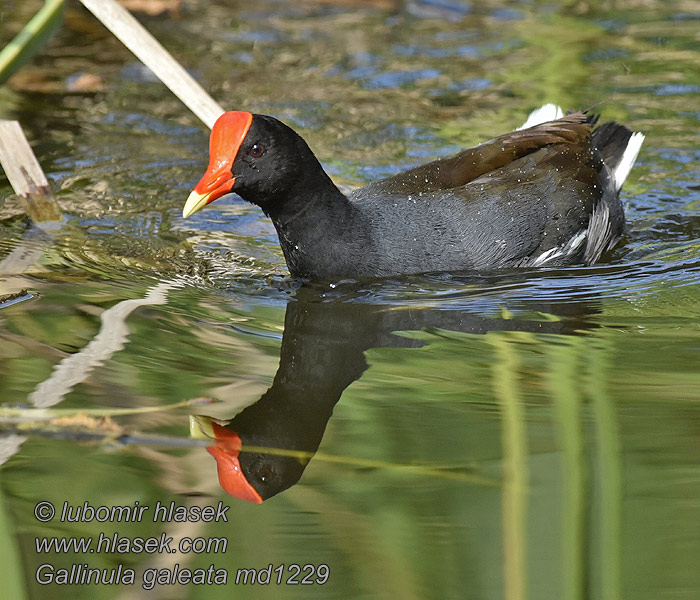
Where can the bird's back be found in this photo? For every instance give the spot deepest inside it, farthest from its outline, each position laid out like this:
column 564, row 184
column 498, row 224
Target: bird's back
column 546, row 195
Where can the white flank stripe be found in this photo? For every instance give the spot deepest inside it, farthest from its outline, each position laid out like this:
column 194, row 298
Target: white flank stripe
column 547, row 256
column 568, row 248
column 576, row 241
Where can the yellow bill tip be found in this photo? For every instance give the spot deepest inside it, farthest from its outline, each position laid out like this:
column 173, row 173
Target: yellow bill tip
column 195, row 202
column 201, row 428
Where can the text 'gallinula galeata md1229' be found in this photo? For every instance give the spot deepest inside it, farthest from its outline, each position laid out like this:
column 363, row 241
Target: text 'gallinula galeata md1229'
column 544, row 195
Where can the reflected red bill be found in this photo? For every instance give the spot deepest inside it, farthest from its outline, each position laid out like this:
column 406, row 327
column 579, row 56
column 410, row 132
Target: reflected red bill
column 226, row 452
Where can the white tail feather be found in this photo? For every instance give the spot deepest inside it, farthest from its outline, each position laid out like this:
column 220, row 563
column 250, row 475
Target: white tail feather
column 627, row 161
column 551, row 112
column 548, row 112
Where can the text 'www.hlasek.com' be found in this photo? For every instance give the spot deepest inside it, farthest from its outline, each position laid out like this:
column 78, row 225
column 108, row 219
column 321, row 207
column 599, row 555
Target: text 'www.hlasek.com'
column 164, row 571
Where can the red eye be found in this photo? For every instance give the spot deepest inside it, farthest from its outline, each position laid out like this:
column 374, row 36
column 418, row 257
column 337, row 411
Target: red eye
column 256, row 150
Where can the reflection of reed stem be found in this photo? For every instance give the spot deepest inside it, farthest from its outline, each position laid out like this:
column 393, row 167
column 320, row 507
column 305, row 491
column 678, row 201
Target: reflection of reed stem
column 41, row 427
column 514, row 503
column 609, row 470
column 450, row 474
column 11, row 580
column 567, row 400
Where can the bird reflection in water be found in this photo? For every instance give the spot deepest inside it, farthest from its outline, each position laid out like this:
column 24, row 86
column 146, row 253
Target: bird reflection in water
column 264, row 449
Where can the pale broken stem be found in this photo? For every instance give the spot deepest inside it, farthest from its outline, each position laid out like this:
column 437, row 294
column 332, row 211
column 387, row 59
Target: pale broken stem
column 150, row 52
column 25, row 174
column 111, row 338
column 30, row 184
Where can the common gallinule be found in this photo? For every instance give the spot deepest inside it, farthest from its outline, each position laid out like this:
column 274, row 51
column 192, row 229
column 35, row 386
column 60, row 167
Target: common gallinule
column 545, row 195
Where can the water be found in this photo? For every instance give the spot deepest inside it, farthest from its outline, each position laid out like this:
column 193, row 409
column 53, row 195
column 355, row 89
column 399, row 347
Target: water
column 522, row 435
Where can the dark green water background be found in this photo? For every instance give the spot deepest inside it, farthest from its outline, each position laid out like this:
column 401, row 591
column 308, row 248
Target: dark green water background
column 530, row 435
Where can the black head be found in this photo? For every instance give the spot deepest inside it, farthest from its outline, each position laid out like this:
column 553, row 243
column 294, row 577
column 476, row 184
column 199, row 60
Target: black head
column 256, row 156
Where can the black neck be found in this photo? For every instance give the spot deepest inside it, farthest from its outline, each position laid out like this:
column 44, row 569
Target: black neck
column 313, row 208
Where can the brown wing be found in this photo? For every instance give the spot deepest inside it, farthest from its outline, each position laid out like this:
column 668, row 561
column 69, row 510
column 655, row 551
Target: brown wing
column 571, row 130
